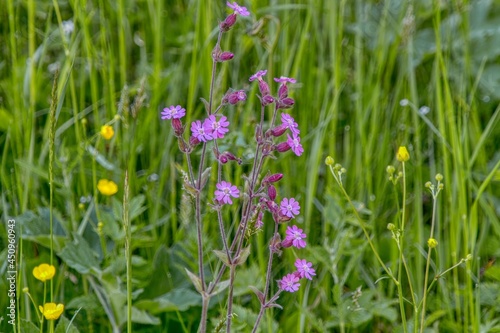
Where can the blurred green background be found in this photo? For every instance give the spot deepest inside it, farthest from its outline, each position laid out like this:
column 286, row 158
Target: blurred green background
column 372, row 75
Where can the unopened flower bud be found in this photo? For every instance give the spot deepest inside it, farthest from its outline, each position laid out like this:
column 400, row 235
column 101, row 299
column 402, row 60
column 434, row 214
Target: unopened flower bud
column 26, row 290
column 439, row 177
column 223, row 159
column 278, row 130
column 263, row 87
column 440, row 186
column 283, row 91
column 228, row 23
column 282, row 147
column 224, row 56
column 183, row 147
column 390, row 169
column 193, row 141
column 428, row 184
column 274, row 178
column 275, row 244
column 402, row 155
column 286, row 103
column 271, row 192
column 391, row 226
column 266, row 100
column 329, row 160
column 236, row 96
column 177, row 126
column 288, row 242
column 258, row 134
column 432, row 243
column 469, row 257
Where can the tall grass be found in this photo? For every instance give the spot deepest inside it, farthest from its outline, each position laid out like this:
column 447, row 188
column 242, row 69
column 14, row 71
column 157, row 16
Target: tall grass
column 355, row 62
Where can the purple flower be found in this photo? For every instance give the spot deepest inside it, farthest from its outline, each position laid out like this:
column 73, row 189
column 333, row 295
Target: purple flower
column 238, row 9
column 216, row 127
column 225, row 191
column 284, row 80
column 294, row 143
column 201, row 132
column 305, row 269
column 290, row 123
column 295, row 236
column 290, row 207
column 289, row 282
column 173, row 112
column 235, row 97
column 258, row 75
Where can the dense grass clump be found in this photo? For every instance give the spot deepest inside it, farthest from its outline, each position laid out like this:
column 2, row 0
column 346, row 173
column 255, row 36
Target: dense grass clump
column 403, row 221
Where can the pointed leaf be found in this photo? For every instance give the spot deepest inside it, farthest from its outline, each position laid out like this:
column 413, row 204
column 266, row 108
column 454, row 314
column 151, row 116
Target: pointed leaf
column 222, row 255
column 195, row 279
column 221, row 286
column 243, row 256
column 260, row 294
column 79, row 256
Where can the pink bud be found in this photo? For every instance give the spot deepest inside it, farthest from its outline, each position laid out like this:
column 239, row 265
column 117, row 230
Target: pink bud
column 228, row 22
column 288, row 242
column 177, row 126
column 282, row 147
column 283, row 91
column 278, row 130
column 286, row 103
column 193, row 141
column 275, row 178
column 266, row 100
column 223, row 159
column 271, row 192
column 263, row 87
column 225, row 56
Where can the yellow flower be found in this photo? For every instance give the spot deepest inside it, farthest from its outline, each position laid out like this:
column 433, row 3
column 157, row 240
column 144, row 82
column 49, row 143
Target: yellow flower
column 44, row 272
column 107, row 132
column 51, row 311
column 402, row 155
column 107, row 187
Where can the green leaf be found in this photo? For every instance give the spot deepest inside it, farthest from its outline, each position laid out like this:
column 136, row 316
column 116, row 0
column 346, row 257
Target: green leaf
column 63, row 326
column 222, row 255
column 28, row 327
column 177, row 300
column 79, row 256
column 195, row 279
column 243, row 256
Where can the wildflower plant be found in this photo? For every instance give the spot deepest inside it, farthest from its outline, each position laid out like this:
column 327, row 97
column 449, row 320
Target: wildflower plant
column 257, row 199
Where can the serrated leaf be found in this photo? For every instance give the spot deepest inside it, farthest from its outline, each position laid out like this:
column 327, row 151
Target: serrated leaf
column 222, row 255
column 196, row 280
column 79, row 256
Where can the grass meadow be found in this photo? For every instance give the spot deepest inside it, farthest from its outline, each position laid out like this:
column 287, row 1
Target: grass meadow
column 371, row 76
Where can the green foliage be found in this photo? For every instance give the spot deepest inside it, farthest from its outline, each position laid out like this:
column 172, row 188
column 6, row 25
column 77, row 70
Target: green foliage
column 355, row 62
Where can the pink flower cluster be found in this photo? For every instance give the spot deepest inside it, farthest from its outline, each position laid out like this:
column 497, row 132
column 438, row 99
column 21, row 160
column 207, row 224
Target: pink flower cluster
column 290, row 282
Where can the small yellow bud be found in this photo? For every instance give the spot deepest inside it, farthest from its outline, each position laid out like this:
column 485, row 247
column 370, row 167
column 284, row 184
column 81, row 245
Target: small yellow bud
column 441, row 186
column 84, row 122
column 343, row 170
column 428, row 184
column 402, row 155
column 107, row 132
column 329, row 160
column 432, row 243
column 439, row 177
column 81, row 206
column 26, row 290
column 469, row 257
column 390, row 169
column 117, row 117
column 391, row 226
column 400, row 174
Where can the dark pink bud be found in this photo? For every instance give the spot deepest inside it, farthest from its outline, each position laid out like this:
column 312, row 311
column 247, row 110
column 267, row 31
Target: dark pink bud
column 236, row 97
column 266, row 100
column 288, row 242
column 228, row 22
column 282, row 218
column 263, row 87
column 286, row 103
column 177, row 126
column 223, row 159
column 230, row 157
column 283, row 91
column 193, row 141
column 275, row 178
column 278, row 130
column 272, row 206
column 271, row 192
column 282, row 147
column 225, row 56
column 183, row 147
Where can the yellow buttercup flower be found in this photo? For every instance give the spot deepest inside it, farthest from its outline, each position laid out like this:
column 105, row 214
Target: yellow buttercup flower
column 107, row 187
column 51, row 311
column 44, row 272
column 402, row 155
column 107, row 132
